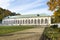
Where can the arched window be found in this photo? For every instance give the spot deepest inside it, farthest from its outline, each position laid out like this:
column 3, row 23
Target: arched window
column 31, row 21
column 38, row 21
column 18, row 21
column 42, row 21
column 23, row 21
column 46, row 20
column 35, row 21
column 28, row 21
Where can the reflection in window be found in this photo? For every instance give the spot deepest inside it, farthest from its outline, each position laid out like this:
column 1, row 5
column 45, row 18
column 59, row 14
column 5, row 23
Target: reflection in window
column 18, row 21
column 28, row 21
column 46, row 21
column 31, row 21
column 35, row 21
column 42, row 21
column 38, row 21
column 23, row 21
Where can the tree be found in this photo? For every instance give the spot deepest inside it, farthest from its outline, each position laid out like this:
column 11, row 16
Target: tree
column 54, row 5
column 57, row 16
column 4, row 13
column 38, row 15
column 18, row 14
column 13, row 14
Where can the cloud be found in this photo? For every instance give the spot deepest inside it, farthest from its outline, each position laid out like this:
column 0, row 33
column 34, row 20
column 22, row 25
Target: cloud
column 5, row 3
column 27, row 6
column 38, row 11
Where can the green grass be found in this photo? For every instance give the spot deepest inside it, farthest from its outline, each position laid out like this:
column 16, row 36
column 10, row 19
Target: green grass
column 52, row 33
column 10, row 29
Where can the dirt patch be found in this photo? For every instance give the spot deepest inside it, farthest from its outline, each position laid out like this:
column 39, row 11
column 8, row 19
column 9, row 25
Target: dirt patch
column 29, row 34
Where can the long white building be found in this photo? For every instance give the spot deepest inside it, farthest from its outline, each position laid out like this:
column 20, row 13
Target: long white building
column 42, row 19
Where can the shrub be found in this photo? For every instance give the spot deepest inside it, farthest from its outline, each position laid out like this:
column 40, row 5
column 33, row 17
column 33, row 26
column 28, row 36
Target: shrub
column 54, row 26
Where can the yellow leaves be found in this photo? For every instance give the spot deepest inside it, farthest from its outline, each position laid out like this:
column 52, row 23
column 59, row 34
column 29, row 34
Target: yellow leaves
column 55, row 13
column 53, row 4
column 57, row 16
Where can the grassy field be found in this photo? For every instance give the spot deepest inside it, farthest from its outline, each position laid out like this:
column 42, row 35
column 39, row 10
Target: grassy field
column 10, row 29
column 52, row 33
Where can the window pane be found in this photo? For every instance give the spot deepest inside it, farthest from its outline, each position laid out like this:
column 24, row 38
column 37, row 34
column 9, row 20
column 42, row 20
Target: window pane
column 28, row 21
column 38, row 21
column 35, row 21
column 23, row 21
column 46, row 21
column 42, row 21
column 31, row 21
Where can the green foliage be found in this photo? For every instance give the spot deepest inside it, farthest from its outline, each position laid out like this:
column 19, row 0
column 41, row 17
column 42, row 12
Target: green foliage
column 53, row 5
column 4, row 13
column 38, row 15
column 52, row 33
column 54, row 26
column 57, row 16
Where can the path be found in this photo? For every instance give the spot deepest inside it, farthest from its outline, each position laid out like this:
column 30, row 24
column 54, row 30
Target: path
column 29, row 34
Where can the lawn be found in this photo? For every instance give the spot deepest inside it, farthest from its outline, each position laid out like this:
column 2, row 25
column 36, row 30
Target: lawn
column 10, row 29
column 53, row 33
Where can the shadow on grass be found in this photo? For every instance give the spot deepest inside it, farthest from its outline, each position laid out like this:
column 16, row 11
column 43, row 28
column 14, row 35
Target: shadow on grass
column 2, row 35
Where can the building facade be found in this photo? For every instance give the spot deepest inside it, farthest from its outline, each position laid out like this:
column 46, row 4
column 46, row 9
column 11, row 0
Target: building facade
column 27, row 20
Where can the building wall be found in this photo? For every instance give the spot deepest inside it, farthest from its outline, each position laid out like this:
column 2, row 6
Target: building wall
column 28, row 21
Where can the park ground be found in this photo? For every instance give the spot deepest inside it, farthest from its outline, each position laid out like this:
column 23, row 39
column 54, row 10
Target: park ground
column 33, row 33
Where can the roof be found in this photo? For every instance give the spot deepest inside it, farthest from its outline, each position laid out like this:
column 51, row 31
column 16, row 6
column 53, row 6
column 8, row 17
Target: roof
column 27, row 16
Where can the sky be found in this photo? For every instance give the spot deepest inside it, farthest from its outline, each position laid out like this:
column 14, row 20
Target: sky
column 26, row 6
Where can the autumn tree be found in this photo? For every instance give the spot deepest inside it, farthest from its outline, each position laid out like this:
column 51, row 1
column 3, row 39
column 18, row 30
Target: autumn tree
column 4, row 13
column 54, row 5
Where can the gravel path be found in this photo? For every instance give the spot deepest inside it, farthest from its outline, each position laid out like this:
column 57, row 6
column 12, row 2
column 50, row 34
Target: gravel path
column 29, row 34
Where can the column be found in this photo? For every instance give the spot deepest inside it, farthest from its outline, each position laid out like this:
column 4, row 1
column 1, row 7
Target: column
column 33, row 21
column 30, row 21
column 40, row 21
column 20, row 21
column 44, row 21
column 14, row 21
column 49, row 20
column 24, row 21
column 36, row 21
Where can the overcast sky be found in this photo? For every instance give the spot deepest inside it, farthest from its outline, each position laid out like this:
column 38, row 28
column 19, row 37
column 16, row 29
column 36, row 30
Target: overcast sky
column 26, row 6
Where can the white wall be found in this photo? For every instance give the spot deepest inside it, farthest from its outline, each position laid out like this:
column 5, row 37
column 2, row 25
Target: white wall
column 11, row 21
